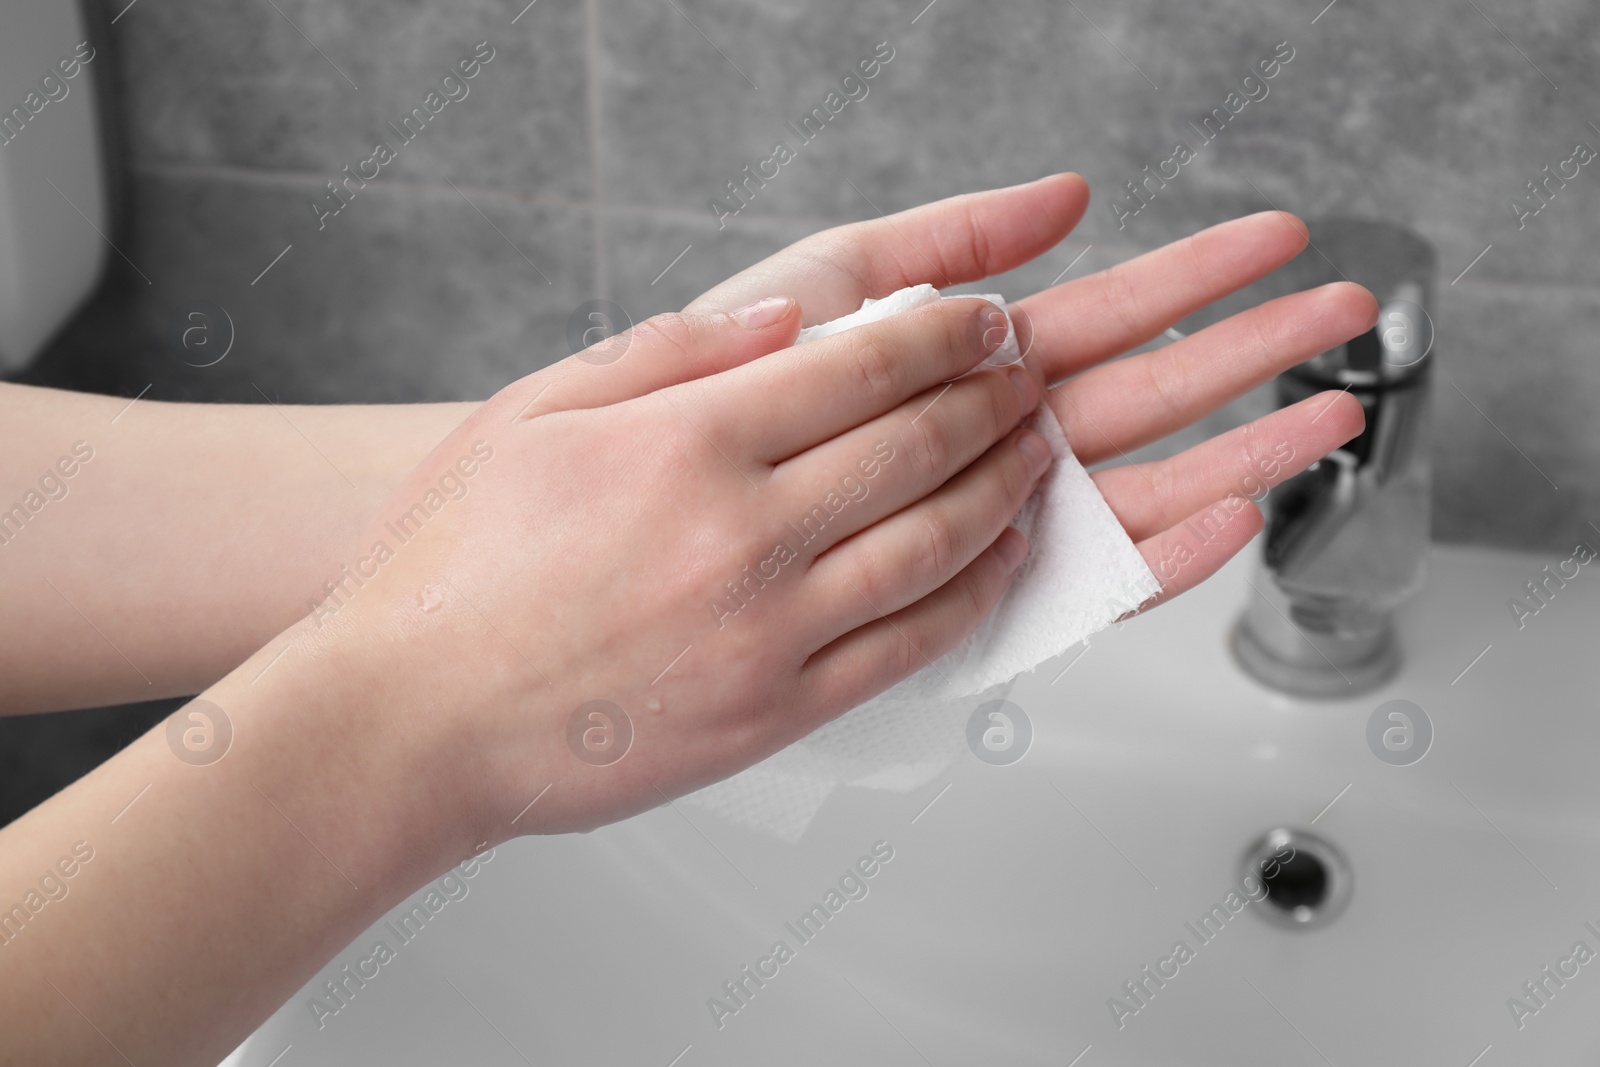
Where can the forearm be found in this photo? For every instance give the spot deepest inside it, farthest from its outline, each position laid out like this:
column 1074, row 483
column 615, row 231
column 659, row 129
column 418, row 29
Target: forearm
column 215, row 890
column 185, row 536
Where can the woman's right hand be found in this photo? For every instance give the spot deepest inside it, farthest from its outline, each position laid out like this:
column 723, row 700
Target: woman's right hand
column 723, row 564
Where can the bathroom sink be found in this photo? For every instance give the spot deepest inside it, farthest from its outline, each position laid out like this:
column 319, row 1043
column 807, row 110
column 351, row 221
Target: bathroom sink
column 1008, row 905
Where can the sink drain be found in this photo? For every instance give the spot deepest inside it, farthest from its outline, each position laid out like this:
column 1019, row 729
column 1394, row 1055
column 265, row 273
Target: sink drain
column 1307, row 879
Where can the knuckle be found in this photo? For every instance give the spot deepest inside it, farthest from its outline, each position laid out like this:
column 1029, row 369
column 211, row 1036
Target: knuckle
column 928, row 447
column 979, row 248
column 973, row 589
column 873, row 580
column 1121, row 298
column 1257, row 452
column 1016, row 482
column 1164, row 491
column 671, row 331
column 1164, row 379
column 879, row 370
column 907, row 653
column 1194, row 256
column 845, row 250
column 1262, row 464
column 1002, row 404
column 1263, row 333
column 941, row 542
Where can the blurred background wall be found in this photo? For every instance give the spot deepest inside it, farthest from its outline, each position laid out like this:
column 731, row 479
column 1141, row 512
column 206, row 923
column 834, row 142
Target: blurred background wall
column 583, row 160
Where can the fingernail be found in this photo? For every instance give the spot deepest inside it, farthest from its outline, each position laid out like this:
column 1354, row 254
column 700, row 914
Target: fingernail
column 1027, row 389
column 1013, row 550
column 1035, row 450
column 992, row 329
column 763, row 312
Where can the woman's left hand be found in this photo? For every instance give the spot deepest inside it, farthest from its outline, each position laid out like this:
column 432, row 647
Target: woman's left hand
column 1074, row 332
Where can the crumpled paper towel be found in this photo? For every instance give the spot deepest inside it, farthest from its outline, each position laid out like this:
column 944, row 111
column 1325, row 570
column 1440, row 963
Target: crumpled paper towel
column 1082, row 572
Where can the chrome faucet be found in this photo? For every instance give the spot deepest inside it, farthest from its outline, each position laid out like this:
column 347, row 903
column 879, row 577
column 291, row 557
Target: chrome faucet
column 1346, row 541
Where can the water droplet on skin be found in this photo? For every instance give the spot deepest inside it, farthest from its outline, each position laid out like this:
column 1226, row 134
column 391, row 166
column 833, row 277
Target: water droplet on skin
column 430, row 598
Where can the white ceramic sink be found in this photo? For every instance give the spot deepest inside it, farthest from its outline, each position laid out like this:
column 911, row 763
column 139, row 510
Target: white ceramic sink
column 1020, row 901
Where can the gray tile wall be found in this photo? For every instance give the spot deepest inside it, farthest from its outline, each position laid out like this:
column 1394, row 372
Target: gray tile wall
column 581, row 163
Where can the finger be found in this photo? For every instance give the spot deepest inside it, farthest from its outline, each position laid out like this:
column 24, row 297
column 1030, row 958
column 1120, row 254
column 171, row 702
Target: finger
column 902, row 456
column 961, row 239
column 911, row 553
column 816, row 391
column 659, row 352
column 1192, row 551
column 1138, row 400
column 871, row 658
column 1089, row 320
column 1244, row 462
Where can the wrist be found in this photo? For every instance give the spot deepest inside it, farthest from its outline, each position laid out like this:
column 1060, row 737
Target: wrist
column 322, row 730
column 287, row 809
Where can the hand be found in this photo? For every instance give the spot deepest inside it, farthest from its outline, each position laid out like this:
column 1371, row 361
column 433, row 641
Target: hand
column 731, row 560
column 1109, row 409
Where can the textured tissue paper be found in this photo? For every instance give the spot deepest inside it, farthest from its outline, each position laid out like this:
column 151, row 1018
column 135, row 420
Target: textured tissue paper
column 1082, row 572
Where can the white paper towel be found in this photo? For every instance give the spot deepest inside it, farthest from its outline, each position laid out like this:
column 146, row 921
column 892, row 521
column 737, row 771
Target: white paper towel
column 1082, row 572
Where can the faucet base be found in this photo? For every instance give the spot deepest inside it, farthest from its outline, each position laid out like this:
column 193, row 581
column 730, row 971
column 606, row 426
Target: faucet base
column 1326, row 665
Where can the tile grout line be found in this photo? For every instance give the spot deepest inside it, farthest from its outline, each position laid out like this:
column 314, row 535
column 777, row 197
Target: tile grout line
column 597, row 202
